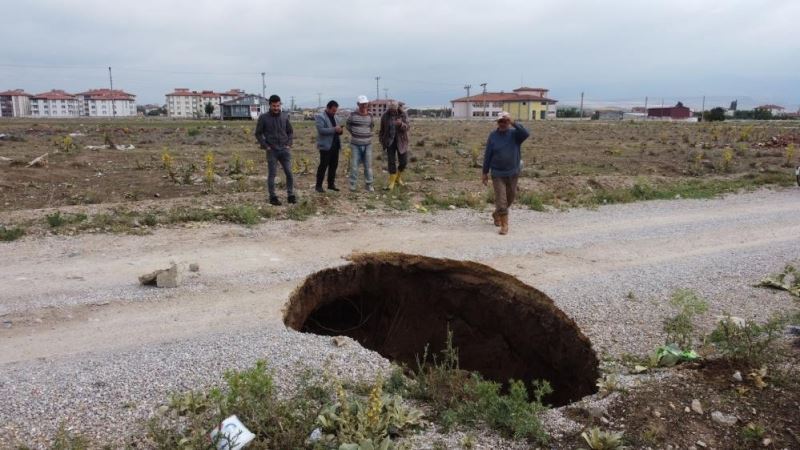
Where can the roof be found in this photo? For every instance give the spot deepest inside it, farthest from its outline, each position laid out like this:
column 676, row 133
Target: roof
column 248, row 99
column 525, row 88
column 770, row 107
column 55, row 94
column 182, row 92
column 107, row 94
column 504, row 97
column 20, row 92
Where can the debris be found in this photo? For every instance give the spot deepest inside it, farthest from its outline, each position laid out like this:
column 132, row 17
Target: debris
column 125, row 147
column 163, row 278
column 315, row 435
column 3, row 136
column 41, row 161
column 96, row 147
column 701, row 444
column 194, row 267
column 669, row 355
column 697, row 407
column 639, row 369
column 339, row 341
column 738, row 321
column 723, row 419
column 781, row 281
column 3, row 158
column 234, row 435
column 737, row 376
column 766, row 442
column 794, row 330
column 758, row 377
column 76, row 134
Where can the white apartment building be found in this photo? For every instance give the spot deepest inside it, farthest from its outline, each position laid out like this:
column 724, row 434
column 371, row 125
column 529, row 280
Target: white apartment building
column 106, row 103
column 15, row 103
column 192, row 104
column 55, row 103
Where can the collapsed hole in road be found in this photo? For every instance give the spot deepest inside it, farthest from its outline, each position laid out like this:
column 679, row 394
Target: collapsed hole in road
column 396, row 304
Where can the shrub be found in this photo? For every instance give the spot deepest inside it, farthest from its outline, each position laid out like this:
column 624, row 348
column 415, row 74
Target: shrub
column 598, row 439
column 301, row 211
column 56, row 219
column 750, row 343
column 10, row 234
column 244, row 214
column 680, row 329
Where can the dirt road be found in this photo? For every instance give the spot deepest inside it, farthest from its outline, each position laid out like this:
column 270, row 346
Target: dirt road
column 68, row 295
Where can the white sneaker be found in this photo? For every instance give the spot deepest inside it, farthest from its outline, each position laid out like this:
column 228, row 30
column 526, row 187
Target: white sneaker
column 370, row 188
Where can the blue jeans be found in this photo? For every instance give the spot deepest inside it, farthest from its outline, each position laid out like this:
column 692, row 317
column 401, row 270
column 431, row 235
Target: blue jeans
column 284, row 157
column 360, row 154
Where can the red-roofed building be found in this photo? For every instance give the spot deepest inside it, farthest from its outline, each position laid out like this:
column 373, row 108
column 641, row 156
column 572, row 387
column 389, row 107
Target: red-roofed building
column 185, row 103
column 775, row 110
column 524, row 103
column 106, row 103
column 677, row 112
column 15, row 103
column 54, row 103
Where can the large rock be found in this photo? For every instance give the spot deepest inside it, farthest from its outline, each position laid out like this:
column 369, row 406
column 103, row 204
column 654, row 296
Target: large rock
column 163, row 278
column 723, row 419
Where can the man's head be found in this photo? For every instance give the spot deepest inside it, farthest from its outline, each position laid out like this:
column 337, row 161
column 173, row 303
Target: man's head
column 274, row 104
column 392, row 106
column 503, row 121
column 362, row 102
column 332, row 107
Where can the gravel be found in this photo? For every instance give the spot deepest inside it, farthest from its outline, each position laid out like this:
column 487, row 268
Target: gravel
column 103, row 394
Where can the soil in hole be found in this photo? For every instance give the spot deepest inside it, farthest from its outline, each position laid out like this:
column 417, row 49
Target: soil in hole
column 396, row 304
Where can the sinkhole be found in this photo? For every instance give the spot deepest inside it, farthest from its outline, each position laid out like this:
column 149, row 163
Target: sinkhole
column 396, row 304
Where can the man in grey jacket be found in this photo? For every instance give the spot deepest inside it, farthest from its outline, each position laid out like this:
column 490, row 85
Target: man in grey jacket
column 275, row 135
column 328, row 144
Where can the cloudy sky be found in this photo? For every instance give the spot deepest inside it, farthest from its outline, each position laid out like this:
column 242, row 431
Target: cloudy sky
column 424, row 51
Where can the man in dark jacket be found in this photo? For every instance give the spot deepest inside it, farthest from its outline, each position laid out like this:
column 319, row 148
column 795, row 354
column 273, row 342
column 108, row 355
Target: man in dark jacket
column 503, row 158
column 275, row 135
column 328, row 144
column 393, row 136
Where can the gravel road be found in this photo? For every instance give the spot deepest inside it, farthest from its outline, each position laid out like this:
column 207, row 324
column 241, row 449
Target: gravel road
column 85, row 345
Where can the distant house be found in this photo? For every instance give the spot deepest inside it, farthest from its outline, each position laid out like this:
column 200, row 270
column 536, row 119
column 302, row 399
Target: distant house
column 677, row 112
column 775, row 110
column 106, row 103
column 247, row 107
column 608, row 114
column 183, row 102
column 54, row 103
column 524, row 103
column 15, row 103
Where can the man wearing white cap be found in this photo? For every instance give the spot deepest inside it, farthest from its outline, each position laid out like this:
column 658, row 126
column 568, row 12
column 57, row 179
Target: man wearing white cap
column 502, row 158
column 360, row 126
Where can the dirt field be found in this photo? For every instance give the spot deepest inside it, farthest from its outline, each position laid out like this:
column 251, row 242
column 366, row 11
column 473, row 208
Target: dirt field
column 71, row 305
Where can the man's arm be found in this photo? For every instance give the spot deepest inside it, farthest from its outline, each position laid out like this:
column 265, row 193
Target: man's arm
column 487, row 159
column 406, row 125
column 321, row 126
column 289, row 131
column 260, row 133
column 521, row 133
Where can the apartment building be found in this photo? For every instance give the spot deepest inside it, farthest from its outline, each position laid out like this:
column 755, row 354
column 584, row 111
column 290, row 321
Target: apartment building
column 54, row 103
column 106, row 103
column 15, row 103
column 185, row 103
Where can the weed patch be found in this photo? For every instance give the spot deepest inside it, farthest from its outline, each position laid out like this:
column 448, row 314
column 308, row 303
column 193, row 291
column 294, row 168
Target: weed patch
column 10, row 234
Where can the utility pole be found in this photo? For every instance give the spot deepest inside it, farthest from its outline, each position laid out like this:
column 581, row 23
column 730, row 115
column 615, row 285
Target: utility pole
column 377, row 88
column 319, row 99
column 263, row 85
column 581, row 105
column 113, row 103
column 469, row 103
column 483, row 85
column 704, row 108
column 386, row 93
column 292, row 104
column 645, row 104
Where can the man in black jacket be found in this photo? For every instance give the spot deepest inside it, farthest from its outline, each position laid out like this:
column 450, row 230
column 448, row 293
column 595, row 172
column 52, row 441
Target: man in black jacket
column 275, row 135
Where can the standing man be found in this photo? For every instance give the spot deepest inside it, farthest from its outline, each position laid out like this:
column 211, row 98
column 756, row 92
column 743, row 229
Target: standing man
column 328, row 144
column 394, row 140
column 503, row 157
column 360, row 126
column 275, row 135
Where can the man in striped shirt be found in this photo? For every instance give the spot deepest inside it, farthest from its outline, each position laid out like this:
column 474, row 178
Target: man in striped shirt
column 360, row 126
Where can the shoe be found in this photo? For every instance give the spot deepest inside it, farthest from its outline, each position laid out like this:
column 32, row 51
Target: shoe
column 400, row 179
column 392, row 181
column 291, row 199
column 503, row 225
column 496, row 219
column 333, row 188
column 370, row 188
column 274, row 201
column 320, row 190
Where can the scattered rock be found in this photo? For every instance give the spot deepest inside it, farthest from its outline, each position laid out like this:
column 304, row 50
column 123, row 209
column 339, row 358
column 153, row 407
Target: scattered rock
column 737, row 376
column 339, row 341
column 697, row 407
column 40, row 161
column 194, row 267
column 723, row 419
column 7, row 323
column 701, row 444
column 687, row 409
column 596, row 411
column 163, row 278
column 766, row 442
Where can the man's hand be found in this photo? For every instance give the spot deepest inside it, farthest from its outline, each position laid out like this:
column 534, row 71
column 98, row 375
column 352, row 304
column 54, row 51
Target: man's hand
column 485, row 179
column 338, row 129
column 511, row 121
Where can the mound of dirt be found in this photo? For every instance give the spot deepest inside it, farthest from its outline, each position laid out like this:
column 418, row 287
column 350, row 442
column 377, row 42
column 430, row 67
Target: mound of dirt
column 396, row 304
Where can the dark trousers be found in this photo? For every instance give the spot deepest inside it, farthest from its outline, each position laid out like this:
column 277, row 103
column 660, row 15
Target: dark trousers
column 285, row 159
column 505, row 191
column 328, row 160
column 394, row 157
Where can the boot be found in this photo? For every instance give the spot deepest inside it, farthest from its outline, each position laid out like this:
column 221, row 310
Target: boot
column 400, row 178
column 392, row 181
column 503, row 224
column 496, row 219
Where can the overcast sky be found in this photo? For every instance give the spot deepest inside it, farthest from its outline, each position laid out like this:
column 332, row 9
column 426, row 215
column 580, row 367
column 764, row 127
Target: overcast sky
column 424, row 51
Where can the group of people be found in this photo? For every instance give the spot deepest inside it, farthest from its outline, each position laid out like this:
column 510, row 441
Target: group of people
column 502, row 156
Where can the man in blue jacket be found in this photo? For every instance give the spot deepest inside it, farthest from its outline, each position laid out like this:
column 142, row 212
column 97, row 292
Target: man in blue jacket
column 503, row 158
column 328, row 144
